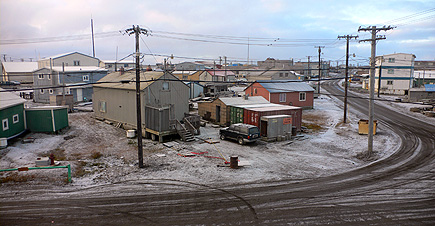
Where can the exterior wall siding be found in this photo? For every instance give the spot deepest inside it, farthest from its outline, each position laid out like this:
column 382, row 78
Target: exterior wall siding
column 14, row 128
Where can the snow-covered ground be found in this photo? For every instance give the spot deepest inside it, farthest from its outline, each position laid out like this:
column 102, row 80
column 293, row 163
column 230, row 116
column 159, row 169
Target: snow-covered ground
column 333, row 148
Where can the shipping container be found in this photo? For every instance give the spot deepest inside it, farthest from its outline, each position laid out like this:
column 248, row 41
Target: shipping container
column 276, row 127
column 252, row 115
column 46, row 119
column 236, row 115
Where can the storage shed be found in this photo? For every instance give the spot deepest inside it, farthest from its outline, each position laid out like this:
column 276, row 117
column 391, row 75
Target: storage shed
column 11, row 114
column 276, row 127
column 47, row 118
column 252, row 116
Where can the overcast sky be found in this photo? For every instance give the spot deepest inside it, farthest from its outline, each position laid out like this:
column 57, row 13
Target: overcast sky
column 275, row 28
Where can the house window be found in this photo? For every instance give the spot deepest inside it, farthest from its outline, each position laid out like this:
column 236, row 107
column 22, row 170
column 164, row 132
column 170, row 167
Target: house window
column 390, row 71
column 286, row 74
column 49, row 77
column 15, row 119
column 280, row 74
column 165, row 86
column 389, row 82
column 109, row 66
column 255, row 90
column 68, row 91
column 50, row 91
column 86, row 78
column 76, row 63
column 5, row 124
column 41, row 91
column 282, row 97
column 302, row 96
column 102, row 106
column 125, row 65
column 41, row 76
column 391, row 60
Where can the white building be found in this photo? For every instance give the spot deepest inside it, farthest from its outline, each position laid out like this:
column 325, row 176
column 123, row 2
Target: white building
column 396, row 72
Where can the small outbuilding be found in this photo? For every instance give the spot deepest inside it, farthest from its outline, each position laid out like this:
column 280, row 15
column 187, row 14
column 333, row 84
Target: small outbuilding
column 47, row 118
column 11, row 114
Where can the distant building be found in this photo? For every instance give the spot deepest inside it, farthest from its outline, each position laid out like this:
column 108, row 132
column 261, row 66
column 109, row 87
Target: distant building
column 396, row 73
column 18, row 71
column 77, row 79
column 283, row 92
column 113, row 65
column 424, row 65
column 273, row 63
column 422, row 94
column 68, row 60
column 189, row 66
column 423, row 77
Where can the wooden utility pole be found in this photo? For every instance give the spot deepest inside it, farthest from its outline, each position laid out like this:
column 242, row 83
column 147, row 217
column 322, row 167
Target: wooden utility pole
column 309, row 69
column 137, row 31
column 347, row 37
column 320, row 69
column 374, row 38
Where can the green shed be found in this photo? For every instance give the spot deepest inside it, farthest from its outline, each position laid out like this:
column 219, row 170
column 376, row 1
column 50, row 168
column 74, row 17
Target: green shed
column 46, row 119
column 11, row 115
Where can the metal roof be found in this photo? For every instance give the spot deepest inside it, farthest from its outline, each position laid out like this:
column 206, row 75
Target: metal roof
column 429, row 87
column 275, row 108
column 231, row 101
column 113, row 80
column 285, row 86
column 9, row 99
column 11, row 67
column 66, row 54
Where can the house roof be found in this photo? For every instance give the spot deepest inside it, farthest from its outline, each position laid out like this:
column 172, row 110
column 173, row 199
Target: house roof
column 76, row 69
column 125, row 61
column 284, row 86
column 183, row 72
column 116, row 81
column 274, row 108
column 66, row 54
column 220, row 72
column 9, row 99
column 11, row 67
column 232, row 101
column 429, row 87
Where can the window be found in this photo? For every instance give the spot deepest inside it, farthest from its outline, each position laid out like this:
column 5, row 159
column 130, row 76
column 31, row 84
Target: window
column 280, row 74
column 109, row 66
column 125, row 65
column 41, row 91
column 389, row 82
column 50, row 91
column 102, row 106
column 41, row 76
column 76, row 63
column 86, row 78
column 68, row 91
column 165, row 86
column 390, row 71
column 15, row 119
column 302, row 96
column 5, row 124
column 391, row 60
column 286, row 74
column 282, row 97
column 255, row 90
column 49, row 77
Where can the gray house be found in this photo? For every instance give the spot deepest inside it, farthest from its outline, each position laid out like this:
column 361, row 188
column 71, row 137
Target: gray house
column 18, row 71
column 164, row 101
column 68, row 59
column 189, row 66
column 77, row 79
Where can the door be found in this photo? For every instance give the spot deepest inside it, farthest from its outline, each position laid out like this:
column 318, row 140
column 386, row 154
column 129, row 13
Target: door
column 79, row 95
column 218, row 113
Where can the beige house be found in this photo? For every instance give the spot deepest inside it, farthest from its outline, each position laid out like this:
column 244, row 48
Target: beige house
column 164, row 99
column 68, row 59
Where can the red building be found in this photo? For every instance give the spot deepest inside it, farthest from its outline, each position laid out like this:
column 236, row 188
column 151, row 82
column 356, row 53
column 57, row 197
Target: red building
column 285, row 92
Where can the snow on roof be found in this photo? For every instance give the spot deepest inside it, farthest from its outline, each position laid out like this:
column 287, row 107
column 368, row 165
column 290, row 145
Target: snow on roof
column 282, row 86
column 11, row 67
column 183, row 72
column 9, row 99
column 66, row 54
column 231, row 101
column 274, row 108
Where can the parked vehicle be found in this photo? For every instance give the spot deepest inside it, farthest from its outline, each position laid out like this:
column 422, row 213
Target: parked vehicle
column 243, row 133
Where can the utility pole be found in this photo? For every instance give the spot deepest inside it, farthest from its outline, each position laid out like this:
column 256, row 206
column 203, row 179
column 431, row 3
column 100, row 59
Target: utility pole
column 374, row 38
column 309, row 69
column 320, row 69
column 225, row 67
column 347, row 37
column 380, row 74
column 93, row 43
column 137, row 31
